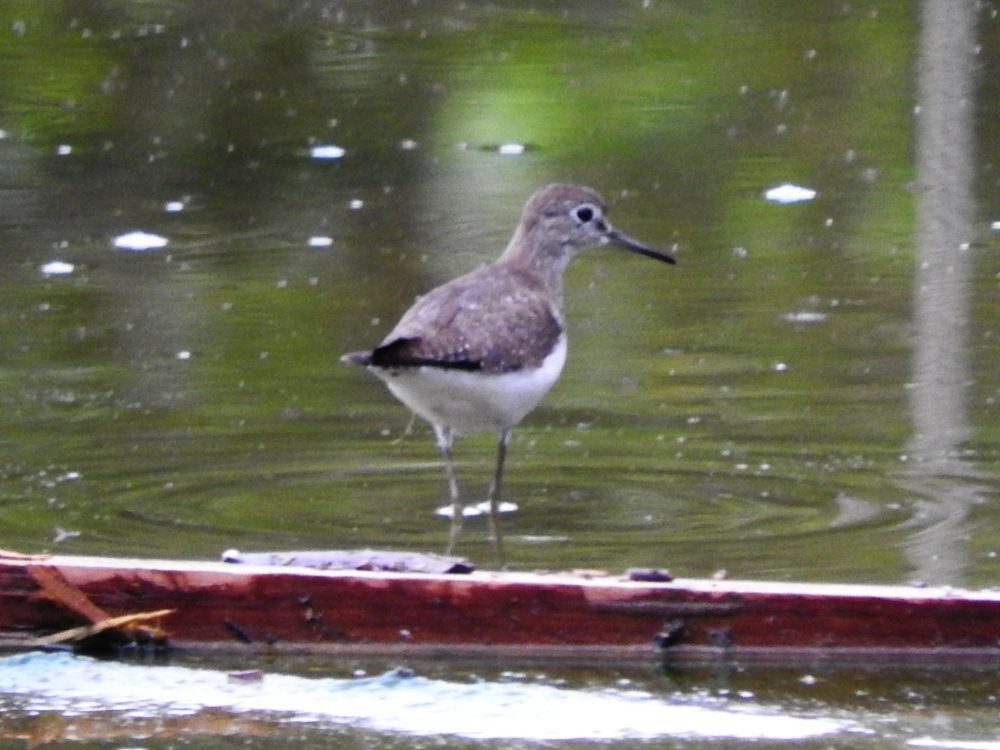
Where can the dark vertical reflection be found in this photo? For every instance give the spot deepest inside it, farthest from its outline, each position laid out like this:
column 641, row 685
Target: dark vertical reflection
column 945, row 226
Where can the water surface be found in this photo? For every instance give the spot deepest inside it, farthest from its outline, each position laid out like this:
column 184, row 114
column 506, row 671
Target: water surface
column 67, row 699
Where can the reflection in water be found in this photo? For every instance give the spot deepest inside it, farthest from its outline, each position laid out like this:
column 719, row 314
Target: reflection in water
column 944, row 264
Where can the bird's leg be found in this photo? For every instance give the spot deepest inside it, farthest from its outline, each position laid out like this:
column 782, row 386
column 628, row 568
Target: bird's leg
column 407, row 430
column 495, row 490
column 445, row 436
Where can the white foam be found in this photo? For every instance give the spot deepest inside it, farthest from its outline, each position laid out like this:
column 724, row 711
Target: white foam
column 400, row 702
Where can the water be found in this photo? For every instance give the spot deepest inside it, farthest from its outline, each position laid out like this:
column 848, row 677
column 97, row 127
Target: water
column 76, row 699
column 811, row 394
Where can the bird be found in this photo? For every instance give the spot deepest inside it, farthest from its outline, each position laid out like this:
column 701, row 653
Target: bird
column 479, row 352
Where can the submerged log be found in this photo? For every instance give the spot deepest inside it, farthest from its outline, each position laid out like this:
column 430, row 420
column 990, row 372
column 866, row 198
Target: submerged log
column 520, row 615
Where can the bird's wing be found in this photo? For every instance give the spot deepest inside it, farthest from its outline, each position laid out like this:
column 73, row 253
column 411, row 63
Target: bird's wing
column 514, row 324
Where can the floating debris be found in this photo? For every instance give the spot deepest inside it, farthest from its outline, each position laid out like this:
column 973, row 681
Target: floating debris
column 789, row 193
column 172, row 207
column 995, row 226
column 356, row 204
column 60, row 535
column 64, row 149
column 327, row 151
column 57, row 268
column 183, row 355
column 408, row 144
column 320, row 241
column 139, row 241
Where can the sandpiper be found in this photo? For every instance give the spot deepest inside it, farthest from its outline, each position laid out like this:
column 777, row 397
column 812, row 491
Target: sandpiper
column 479, row 352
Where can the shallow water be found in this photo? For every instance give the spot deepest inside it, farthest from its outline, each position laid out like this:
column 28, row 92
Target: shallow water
column 811, row 394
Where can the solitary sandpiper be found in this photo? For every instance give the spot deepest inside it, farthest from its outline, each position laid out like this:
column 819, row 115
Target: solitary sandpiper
column 480, row 352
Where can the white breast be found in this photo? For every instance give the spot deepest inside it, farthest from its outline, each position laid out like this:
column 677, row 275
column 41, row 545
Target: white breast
column 469, row 401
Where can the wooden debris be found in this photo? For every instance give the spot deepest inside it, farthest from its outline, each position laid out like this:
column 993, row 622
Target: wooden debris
column 128, row 628
column 363, row 559
column 55, row 586
column 124, row 623
column 288, row 608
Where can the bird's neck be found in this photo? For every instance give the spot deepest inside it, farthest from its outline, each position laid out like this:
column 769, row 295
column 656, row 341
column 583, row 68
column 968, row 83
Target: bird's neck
column 539, row 256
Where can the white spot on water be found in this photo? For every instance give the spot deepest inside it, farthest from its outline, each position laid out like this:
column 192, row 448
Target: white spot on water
column 355, row 204
column 183, row 355
column 64, row 149
column 61, row 535
column 804, row 316
column 789, row 193
column 408, row 144
column 320, row 241
column 471, row 511
column 139, row 241
column 503, row 507
column 511, row 149
column 57, row 268
column 172, row 207
column 543, row 538
column 327, row 151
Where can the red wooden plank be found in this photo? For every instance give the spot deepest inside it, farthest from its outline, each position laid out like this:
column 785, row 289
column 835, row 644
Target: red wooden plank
column 229, row 606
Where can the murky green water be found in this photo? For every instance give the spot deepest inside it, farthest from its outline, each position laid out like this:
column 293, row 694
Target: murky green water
column 811, row 394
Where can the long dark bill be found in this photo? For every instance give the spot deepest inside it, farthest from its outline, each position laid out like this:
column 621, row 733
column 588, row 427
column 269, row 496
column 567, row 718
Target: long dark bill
column 627, row 243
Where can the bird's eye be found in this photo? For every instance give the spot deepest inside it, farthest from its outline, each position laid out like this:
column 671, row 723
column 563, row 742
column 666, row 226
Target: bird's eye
column 584, row 214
